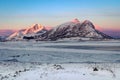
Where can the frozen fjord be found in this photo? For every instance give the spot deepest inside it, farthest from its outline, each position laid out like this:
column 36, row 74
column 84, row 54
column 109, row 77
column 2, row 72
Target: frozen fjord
column 61, row 51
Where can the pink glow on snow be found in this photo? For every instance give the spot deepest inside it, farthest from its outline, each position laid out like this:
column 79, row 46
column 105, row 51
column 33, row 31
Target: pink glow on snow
column 75, row 21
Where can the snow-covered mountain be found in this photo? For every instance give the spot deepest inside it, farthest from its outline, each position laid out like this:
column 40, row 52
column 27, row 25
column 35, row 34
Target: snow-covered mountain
column 75, row 29
column 32, row 31
column 71, row 29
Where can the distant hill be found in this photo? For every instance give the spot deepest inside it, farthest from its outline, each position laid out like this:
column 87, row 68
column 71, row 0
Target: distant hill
column 6, row 32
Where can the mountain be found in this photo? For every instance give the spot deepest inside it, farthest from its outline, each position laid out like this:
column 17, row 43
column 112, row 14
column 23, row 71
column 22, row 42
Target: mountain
column 6, row 32
column 114, row 33
column 74, row 28
column 75, row 21
column 16, row 35
column 32, row 31
column 2, row 38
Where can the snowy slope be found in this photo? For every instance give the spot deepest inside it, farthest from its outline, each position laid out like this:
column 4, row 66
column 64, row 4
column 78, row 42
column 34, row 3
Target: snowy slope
column 37, row 71
column 18, row 35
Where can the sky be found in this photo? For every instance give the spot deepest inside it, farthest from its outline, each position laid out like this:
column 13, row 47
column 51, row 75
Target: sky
column 18, row 14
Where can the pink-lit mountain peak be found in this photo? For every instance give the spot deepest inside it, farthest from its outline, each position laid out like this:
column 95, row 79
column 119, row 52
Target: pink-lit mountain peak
column 88, row 23
column 33, row 29
column 75, row 20
column 36, row 26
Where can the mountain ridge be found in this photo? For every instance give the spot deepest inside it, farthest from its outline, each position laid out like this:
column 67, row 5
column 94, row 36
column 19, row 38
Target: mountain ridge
column 73, row 28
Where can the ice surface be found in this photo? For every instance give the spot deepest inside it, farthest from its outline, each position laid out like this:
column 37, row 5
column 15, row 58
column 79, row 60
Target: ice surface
column 61, row 51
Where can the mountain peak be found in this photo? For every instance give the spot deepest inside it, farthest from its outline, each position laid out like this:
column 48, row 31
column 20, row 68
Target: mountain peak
column 75, row 20
column 89, row 23
column 33, row 29
column 36, row 26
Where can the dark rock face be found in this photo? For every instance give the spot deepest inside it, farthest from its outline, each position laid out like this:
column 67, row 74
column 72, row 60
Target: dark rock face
column 28, row 38
column 73, row 29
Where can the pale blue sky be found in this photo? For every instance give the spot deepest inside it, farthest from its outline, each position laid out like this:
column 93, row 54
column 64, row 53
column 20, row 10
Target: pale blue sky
column 19, row 14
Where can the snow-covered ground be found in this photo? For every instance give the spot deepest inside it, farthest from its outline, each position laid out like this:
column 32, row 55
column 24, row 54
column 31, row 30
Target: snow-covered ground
column 60, row 60
column 37, row 71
